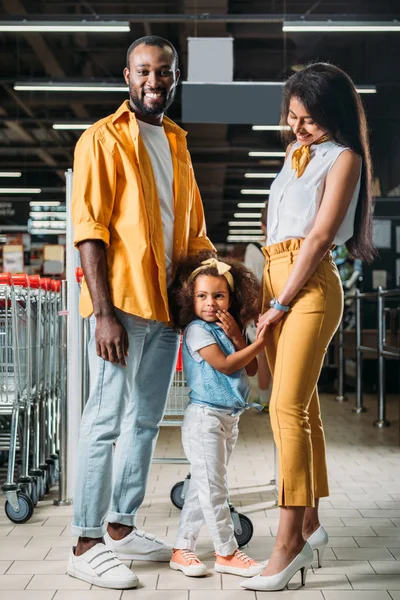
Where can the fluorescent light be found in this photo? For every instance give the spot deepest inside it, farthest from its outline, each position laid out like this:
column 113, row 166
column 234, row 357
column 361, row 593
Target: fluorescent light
column 20, row 190
column 251, row 205
column 49, row 224
column 336, row 26
column 270, row 154
column 45, row 203
column 24, row 26
column 67, row 126
column 69, row 87
column 366, row 90
column 39, row 214
column 10, row 174
column 255, row 192
column 270, row 127
column 260, row 175
column 245, row 238
column 246, row 231
column 247, row 215
column 244, row 224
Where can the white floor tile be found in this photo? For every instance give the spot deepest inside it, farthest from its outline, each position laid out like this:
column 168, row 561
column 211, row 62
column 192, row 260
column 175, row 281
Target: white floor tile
column 57, row 582
column 362, row 517
column 375, row 582
column 356, row 595
column 14, row 582
column 29, row 595
column 37, row 567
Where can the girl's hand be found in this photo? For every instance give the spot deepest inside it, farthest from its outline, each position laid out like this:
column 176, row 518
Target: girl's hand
column 269, row 319
column 229, row 326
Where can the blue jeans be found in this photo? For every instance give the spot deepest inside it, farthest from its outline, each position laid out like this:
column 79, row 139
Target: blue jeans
column 125, row 404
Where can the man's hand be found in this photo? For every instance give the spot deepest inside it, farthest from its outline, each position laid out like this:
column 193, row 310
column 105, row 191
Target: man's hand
column 111, row 340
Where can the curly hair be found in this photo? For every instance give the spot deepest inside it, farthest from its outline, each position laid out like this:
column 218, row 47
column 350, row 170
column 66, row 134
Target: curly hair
column 245, row 299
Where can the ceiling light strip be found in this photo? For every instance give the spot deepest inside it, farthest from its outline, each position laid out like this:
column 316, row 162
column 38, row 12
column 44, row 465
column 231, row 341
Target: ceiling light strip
column 68, row 87
column 270, row 127
column 255, row 192
column 247, row 215
column 271, row 154
column 244, row 224
column 45, row 203
column 20, row 190
column 245, row 231
column 10, row 174
column 64, row 26
column 71, row 126
column 341, row 26
column 245, row 238
column 260, row 175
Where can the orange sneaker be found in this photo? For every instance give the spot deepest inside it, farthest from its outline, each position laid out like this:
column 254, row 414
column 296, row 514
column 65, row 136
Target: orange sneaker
column 238, row 563
column 187, row 562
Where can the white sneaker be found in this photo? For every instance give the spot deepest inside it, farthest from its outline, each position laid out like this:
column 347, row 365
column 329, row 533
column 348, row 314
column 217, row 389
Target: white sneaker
column 139, row 545
column 101, row 567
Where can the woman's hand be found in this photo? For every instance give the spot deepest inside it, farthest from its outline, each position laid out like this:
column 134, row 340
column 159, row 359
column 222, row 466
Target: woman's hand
column 269, row 319
column 230, row 327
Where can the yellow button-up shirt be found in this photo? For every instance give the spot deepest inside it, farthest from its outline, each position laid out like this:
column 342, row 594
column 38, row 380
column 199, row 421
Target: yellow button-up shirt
column 115, row 200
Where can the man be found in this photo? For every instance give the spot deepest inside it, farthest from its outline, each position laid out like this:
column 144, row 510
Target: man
column 136, row 210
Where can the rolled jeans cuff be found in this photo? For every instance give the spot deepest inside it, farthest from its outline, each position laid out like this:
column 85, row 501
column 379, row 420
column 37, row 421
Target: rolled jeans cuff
column 182, row 543
column 227, row 549
column 89, row 532
column 123, row 519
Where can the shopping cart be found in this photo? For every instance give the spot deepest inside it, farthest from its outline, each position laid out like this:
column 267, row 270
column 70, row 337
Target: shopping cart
column 177, row 401
column 28, row 389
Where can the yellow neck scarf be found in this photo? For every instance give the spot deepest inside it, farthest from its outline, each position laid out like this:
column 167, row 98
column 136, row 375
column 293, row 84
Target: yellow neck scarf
column 302, row 156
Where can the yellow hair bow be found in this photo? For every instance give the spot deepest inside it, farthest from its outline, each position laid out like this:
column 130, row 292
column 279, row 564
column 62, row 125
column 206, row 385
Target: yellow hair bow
column 301, row 156
column 222, row 268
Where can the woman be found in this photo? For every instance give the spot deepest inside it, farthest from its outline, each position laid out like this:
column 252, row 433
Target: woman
column 321, row 198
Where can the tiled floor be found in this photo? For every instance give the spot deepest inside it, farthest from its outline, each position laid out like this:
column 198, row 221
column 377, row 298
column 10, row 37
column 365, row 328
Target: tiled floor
column 362, row 517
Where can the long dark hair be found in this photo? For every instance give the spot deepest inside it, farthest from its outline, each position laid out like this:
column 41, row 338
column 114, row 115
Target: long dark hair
column 331, row 99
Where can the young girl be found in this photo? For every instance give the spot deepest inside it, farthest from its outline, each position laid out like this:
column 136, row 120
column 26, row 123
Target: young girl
column 213, row 301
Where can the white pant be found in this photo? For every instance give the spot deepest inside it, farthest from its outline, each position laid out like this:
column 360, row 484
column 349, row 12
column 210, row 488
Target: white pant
column 208, row 437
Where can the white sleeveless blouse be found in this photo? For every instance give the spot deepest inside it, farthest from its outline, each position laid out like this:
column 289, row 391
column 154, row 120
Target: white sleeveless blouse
column 294, row 203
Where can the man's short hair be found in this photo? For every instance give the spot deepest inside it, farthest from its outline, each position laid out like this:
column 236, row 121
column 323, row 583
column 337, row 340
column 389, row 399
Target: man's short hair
column 152, row 40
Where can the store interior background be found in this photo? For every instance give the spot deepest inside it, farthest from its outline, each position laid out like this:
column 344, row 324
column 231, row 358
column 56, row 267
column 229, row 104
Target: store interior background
column 39, row 129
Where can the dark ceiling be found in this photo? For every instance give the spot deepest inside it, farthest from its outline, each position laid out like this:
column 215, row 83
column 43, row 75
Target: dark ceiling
column 29, row 143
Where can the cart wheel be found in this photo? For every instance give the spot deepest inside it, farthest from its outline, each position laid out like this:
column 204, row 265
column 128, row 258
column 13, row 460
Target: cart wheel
column 176, row 495
column 247, row 531
column 35, row 491
column 25, row 509
column 40, row 486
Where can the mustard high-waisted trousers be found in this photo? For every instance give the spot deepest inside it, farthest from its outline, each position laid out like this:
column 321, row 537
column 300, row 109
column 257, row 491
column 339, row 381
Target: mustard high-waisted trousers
column 295, row 352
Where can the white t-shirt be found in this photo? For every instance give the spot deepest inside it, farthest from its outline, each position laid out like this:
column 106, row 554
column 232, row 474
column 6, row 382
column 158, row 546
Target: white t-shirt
column 157, row 146
column 294, row 202
column 197, row 338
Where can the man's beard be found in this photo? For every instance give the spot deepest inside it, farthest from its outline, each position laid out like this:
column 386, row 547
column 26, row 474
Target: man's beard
column 148, row 110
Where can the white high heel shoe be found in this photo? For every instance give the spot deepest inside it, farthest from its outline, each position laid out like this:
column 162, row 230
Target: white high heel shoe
column 275, row 583
column 318, row 541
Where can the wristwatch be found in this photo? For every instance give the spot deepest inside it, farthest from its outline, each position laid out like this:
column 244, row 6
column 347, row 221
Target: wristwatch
column 275, row 304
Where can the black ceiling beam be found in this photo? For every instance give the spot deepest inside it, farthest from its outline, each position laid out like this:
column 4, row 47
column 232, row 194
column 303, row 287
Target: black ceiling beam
column 190, row 18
